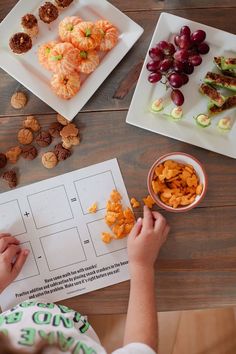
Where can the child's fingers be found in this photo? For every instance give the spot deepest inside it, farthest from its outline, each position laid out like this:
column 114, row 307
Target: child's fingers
column 136, row 228
column 147, row 218
column 11, row 252
column 6, row 241
column 160, row 224
column 157, row 215
column 4, row 234
column 165, row 232
column 20, row 261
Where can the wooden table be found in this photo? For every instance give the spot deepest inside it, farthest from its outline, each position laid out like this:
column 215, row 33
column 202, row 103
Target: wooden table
column 197, row 266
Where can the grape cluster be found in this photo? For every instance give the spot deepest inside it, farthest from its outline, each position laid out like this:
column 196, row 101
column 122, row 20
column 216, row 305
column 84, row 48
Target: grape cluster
column 176, row 63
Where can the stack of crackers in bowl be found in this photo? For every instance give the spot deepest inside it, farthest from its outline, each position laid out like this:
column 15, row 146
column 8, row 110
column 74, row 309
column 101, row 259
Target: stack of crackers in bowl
column 177, row 182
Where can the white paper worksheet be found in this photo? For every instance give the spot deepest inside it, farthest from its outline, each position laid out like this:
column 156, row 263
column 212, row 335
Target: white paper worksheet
column 67, row 256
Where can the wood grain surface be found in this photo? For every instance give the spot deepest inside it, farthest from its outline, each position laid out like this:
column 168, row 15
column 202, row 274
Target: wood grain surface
column 197, row 266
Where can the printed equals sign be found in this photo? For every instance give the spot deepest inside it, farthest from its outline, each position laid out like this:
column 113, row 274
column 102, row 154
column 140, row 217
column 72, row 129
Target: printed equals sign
column 73, row 200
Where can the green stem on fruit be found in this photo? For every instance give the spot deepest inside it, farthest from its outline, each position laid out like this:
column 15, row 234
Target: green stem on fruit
column 56, row 57
column 83, row 54
column 88, row 32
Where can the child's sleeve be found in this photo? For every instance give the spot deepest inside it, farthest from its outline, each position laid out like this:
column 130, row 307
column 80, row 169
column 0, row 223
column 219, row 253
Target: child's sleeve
column 135, row 348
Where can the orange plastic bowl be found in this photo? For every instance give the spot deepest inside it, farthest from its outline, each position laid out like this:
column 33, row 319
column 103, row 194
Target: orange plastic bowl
column 185, row 159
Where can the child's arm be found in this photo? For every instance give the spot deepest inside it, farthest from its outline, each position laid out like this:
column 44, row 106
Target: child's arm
column 144, row 244
column 12, row 259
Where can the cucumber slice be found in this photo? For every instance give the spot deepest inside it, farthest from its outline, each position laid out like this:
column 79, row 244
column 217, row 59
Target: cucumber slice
column 203, row 120
column 176, row 113
column 225, row 124
column 157, row 105
column 228, row 63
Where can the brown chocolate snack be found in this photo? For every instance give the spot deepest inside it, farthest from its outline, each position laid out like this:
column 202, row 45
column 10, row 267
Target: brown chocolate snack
column 61, row 153
column 20, row 43
column 43, row 139
column 29, row 21
column 55, row 129
column 3, row 160
column 29, row 152
column 63, row 3
column 48, row 12
column 10, row 177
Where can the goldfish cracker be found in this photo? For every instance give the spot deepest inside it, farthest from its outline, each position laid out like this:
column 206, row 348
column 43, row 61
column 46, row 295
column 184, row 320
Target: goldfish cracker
column 106, row 237
column 148, row 201
column 93, row 208
column 115, row 196
column 134, row 203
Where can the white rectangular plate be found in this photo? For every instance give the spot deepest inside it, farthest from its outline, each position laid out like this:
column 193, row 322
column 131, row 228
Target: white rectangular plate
column 221, row 43
column 26, row 68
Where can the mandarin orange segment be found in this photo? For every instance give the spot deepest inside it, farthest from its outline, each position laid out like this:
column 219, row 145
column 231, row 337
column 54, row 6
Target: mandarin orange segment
column 109, row 33
column 86, row 36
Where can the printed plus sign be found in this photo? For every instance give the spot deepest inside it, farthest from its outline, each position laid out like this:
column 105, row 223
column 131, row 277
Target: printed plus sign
column 26, row 214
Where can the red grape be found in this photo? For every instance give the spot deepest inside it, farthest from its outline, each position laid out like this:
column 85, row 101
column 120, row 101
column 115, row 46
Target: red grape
column 177, row 97
column 153, row 65
column 171, row 49
column 175, row 80
column 188, row 68
column 203, row 48
column 185, row 42
column 185, row 78
column 198, row 36
column 185, row 30
column 167, row 48
column 176, row 40
column 156, row 54
column 163, row 45
column 154, row 77
column 166, row 64
column 178, row 66
column 195, row 60
column 181, row 55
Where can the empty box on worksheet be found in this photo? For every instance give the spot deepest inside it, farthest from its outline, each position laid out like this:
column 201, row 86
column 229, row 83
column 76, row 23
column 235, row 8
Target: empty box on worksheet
column 96, row 228
column 63, row 249
column 30, row 268
column 11, row 219
column 50, row 207
column 95, row 188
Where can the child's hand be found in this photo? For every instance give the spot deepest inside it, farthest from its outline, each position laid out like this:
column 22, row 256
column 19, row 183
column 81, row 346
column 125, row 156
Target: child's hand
column 12, row 259
column 146, row 239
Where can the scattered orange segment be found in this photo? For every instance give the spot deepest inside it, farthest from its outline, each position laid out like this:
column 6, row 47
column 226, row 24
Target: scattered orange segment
column 134, row 203
column 120, row 221
column 93, row 208
column 148, row 201
column 176, row 184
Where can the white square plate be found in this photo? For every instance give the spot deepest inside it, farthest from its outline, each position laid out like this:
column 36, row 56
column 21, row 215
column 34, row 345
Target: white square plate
column 26, row 68
column 221, row 43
